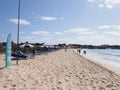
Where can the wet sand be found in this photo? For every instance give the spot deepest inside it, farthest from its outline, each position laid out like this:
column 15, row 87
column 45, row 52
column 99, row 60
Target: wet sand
column 57, row 70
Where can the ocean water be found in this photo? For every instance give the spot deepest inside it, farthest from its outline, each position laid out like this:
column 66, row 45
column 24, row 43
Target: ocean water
column 107, row 56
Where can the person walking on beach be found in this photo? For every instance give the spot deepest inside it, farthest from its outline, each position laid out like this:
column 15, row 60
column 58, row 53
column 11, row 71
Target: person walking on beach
column 79, row 51
column 84, row 52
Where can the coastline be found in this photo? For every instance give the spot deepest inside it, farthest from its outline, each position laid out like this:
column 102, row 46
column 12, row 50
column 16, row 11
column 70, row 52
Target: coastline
column 58, row 70
column 112, row 68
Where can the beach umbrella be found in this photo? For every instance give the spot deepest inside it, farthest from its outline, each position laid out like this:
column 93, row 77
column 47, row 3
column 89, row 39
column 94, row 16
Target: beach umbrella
column 26, row 46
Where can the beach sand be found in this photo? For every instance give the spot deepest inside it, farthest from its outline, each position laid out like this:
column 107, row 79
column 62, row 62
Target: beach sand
column 57, row 70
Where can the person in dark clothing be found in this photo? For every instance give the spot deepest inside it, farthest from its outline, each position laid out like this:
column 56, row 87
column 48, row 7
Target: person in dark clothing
column 84, row 52
column 79, row 51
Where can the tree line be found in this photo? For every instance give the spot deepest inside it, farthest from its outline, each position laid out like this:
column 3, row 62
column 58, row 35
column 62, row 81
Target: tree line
column 63, row 45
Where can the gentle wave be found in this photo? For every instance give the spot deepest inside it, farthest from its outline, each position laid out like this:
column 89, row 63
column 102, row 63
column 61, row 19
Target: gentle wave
column 105, row 54
column 110, row 54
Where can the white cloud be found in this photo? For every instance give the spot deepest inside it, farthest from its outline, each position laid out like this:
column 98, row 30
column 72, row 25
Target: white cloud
column 48, row 18
column 91, row 0
column 84, row 31
column 115, row 33
column 104, row 27
column 108, row 6
column 58, row 33
column 77, row 36
column 22, row 21
column 96, row 39
column 42, row 33
column 78, row 30
column 117, row 27
column 106, row 3
column 93, row 39
column 100, row 5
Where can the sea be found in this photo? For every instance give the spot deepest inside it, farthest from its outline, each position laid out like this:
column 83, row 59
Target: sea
column 108, row 57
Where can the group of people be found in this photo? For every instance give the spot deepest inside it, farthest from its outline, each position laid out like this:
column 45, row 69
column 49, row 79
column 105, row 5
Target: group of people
column 79, row 51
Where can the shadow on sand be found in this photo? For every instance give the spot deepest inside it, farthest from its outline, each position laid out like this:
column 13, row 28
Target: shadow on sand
column 15, row 59
column 1, row 68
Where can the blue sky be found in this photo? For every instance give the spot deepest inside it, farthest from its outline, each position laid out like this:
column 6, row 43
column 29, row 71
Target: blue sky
column 93, row 22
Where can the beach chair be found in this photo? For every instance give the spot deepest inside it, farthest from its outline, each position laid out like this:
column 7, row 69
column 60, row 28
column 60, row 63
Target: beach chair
column 20, row 55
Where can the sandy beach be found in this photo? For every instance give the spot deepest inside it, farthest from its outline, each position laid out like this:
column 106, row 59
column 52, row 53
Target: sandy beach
column 57, row 70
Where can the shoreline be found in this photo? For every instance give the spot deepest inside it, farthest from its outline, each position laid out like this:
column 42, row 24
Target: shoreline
column 112, row 68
